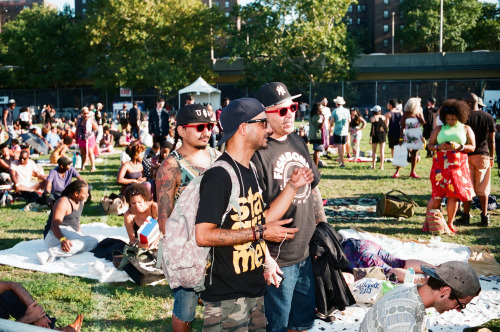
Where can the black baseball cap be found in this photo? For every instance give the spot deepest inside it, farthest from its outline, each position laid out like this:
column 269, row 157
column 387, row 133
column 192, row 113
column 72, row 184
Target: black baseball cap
column 63, row 161
column 274, row 93
column 237, row 112
column 191, row 114
column 458, row 275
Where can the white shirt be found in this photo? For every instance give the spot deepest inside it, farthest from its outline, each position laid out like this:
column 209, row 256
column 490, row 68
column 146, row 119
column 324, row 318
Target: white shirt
column 25, row 172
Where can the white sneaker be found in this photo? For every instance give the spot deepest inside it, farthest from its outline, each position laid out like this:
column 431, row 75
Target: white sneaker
column 99, row 160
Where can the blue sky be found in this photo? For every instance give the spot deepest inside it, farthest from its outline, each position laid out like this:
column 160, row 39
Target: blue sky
column 60, row 3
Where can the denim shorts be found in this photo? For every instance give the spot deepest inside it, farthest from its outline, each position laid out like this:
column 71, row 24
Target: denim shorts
column 292, row 305
column 185, row 301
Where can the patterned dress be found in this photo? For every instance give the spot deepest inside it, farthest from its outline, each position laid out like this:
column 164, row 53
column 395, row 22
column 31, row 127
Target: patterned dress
column 450, row 176
column 413, row 136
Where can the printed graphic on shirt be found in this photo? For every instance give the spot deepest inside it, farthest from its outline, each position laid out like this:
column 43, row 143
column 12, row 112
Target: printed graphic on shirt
column 283, row 170
column 250, row 255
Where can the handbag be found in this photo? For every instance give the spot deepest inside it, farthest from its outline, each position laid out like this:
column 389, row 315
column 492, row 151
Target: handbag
column 114, row 204
column 400, row 156
column 435, row 223
column 394, row 206
column 143, row 259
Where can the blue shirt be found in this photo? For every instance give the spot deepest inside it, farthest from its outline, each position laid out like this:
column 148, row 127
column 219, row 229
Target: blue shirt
column 53, row 139
column 341, row 117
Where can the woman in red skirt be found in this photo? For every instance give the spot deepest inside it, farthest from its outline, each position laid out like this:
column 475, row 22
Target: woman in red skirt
column 450, row 176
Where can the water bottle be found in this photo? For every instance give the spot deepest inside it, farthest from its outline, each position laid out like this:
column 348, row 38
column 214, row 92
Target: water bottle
column 77, row 161
column 410, row 277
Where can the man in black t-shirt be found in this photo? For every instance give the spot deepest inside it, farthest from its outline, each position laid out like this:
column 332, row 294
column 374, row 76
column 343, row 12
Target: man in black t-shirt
column 134, row 119
column 481, row 160
column 293, row 302
column 235, row 277
column 430, row 114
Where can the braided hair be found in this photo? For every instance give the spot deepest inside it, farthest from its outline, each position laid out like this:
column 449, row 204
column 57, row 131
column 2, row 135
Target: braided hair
column 177, row 137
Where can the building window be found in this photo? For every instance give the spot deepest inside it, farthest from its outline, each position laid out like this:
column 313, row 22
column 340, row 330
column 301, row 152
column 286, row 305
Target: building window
column 361, row 8
column 386, row 28
column 84, row 10
column 386, row 2
column 227, row 14
column 226, row 4
column 402, row 26
column 386, row 42
column 349, row 9
column 361, row 21
column 350, row 23
column 402, row 14
column 401, row 43
column 386, row 14
column 84, row 2
column 216, row 3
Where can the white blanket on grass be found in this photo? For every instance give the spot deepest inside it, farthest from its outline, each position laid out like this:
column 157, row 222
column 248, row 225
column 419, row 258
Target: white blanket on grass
column 482, row 309
column 23, row 255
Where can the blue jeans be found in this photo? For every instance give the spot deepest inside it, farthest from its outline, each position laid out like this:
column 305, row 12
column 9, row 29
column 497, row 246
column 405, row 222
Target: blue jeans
column 185, row 301
column 292, row 305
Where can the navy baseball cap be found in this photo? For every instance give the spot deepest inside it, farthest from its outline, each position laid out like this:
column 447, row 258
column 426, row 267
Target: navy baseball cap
column 191, row 114
column 237, row 112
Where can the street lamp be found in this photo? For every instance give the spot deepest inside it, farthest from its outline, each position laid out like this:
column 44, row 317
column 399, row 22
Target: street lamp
column 441, row 30
column 393, row 32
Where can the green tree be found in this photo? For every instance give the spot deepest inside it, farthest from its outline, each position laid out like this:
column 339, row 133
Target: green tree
column 163, row 44
column 486, row 34
column 45, row 48
column 292, row 41
column 422, row 20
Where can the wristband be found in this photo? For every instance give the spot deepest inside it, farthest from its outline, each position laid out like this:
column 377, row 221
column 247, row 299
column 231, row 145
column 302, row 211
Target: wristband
column 254, row 235
column 401, row 139
column 462, row 147
column 62, row 239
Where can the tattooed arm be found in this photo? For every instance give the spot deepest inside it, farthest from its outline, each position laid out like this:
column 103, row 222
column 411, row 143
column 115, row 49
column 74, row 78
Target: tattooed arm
column 168, row 180
column 319, row 211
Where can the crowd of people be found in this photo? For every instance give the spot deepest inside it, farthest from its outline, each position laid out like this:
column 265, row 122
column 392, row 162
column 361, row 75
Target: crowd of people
column 261, row 271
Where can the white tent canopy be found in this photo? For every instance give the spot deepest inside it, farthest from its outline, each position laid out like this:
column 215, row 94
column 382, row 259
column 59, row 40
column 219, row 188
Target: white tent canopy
column 202, row 93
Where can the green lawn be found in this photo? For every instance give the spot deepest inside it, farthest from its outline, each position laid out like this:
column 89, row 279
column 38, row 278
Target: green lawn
column 126, row 307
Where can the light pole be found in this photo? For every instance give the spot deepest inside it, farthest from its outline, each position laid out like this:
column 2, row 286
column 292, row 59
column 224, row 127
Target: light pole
column 441, row 30
column 393, row 32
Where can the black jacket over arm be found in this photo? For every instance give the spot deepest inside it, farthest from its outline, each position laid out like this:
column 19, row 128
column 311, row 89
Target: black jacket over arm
column 332, row 291
column 154, row 123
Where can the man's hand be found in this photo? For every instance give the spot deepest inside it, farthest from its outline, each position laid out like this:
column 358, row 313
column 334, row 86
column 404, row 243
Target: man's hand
column 275, row 232
column 271, row 271
column 66, row 245
column 34, row 312
column 300, row 177
column 43, row 322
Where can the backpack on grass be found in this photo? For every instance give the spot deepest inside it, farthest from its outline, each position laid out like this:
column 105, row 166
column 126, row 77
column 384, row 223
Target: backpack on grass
column 183, row 261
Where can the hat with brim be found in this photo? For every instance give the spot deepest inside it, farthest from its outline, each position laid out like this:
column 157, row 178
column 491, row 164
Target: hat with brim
column 480, row 102
column 193, row 113
column 376, row 108
column 237, row 112
column 274, row 93
column 458, row 275
column 63, row 161
column 339, row 100
column 11, row 102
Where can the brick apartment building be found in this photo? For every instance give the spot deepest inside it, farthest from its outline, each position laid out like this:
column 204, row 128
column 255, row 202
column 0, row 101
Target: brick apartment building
column 11, row 8
column 373, row 19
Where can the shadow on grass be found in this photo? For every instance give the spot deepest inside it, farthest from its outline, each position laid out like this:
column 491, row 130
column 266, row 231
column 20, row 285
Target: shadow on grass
column 139, row 324
column 9, row 243
column 27, row 231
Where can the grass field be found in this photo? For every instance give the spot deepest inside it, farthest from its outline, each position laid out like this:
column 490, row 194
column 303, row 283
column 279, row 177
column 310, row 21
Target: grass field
column 126, row 307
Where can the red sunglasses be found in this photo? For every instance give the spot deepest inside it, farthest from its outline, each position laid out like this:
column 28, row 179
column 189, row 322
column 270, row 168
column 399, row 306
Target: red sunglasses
column 201, row 127
column 284, row 111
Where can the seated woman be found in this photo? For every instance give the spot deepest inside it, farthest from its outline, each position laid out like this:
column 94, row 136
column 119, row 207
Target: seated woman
column 140, row 207
column 62, row 233
column 132, row 171
column 6, row 159
column 366, row 253
column 61, row 149
column 106, row 144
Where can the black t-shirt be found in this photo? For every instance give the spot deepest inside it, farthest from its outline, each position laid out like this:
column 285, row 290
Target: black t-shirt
column 429, row 115
column 275, row 166
column 482, row 124
column 133, row 116
column 236, row 271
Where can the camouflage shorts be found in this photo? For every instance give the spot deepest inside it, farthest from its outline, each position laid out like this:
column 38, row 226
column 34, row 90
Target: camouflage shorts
column 238, row 315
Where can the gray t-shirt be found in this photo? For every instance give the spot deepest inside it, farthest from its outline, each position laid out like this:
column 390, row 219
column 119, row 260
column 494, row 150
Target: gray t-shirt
column 401, row 309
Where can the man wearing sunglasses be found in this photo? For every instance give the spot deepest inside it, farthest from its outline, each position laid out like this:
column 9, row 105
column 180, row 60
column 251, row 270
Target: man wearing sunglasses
column 292, row 304
column 194, row 127
column 22, row 172
column 451, row 286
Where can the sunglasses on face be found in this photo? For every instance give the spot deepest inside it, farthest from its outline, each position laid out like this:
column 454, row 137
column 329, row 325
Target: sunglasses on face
column 201, row 127
column 22, row 158
column 284, row 111
column 460, row 304
column 262, row 121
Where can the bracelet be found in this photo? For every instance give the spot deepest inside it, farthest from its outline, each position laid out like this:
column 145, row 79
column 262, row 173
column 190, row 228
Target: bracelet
column 254, row 235
column 401, row 139
column 261, row 231
column 62, row 239
column 462, row 147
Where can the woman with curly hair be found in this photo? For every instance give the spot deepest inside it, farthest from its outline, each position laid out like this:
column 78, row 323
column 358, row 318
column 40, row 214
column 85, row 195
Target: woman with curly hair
column 132, row 171
column 411, row 132
column 450, row 176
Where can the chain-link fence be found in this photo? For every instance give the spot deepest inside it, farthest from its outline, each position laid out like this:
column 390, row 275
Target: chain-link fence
column 361, row 94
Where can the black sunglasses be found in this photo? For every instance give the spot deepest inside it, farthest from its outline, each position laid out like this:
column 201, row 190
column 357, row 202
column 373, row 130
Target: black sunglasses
column 460, row 304
column 201, row 127
column 284, row 111
column 263, row 121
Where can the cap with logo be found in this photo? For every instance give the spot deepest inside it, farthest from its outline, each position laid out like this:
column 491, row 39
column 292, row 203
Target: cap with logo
column 192, row 113
column 274, row 93
column 458, row 275
column 376, row 108
column 339, row 100
column 63, row 161
column 237, row 112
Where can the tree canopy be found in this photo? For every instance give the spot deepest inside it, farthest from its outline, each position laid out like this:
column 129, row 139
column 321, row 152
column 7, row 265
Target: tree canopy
column 293, row 41
column 162, row 44
column 45, row 47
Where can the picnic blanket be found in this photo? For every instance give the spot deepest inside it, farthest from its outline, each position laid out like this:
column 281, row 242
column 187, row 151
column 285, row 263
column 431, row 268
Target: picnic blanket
column 352, row 208
column 482, row 309
column 23, row 255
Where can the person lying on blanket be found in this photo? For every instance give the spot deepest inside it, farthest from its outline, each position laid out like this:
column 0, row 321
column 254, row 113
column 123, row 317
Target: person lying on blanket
column 366, row 253
column 62, row 232
column 138, row 198
column 17, row 302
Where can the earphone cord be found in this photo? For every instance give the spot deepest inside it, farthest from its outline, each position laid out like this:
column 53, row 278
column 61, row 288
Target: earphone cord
column 279, row 249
